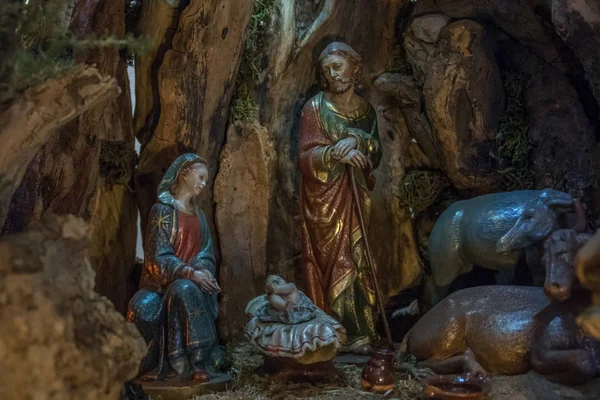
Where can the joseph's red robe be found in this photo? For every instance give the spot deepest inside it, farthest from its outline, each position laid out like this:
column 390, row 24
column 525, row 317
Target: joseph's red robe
column 331, row 236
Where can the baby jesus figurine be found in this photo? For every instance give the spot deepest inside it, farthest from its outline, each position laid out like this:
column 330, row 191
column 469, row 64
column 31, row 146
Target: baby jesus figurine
column 282, row 296
column 287, row 327
column 286, row 303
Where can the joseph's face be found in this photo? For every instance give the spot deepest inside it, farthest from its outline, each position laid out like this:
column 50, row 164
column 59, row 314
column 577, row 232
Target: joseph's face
column 196, row 179
column 339, row 73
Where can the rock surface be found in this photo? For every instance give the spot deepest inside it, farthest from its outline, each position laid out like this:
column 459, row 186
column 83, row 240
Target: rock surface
column 464, row 99
column 58, row 338
column 578, row 24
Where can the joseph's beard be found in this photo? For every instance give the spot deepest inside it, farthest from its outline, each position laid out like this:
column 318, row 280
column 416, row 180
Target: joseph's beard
column 341, row 86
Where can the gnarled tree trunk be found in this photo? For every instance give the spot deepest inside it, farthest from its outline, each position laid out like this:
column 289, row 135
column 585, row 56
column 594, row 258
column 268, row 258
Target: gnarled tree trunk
column 34, row 117
column 66, row 176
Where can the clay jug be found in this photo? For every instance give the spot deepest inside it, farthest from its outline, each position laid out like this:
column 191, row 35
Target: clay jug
column 379, row 375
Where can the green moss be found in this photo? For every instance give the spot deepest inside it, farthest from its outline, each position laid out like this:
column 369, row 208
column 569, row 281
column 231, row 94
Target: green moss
column 118, row 160
column 512, row 145
column 420, row 189
column 244, row 107
column 400, row 64
column 38, row 49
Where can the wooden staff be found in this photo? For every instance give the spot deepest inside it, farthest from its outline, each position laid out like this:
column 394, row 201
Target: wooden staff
column 386, row 325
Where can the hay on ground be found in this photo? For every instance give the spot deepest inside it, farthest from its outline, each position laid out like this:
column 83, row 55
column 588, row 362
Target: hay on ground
column 247, row 385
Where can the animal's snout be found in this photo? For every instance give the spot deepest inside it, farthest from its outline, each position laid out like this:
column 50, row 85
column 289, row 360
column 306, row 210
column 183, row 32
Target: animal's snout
column 557, row 291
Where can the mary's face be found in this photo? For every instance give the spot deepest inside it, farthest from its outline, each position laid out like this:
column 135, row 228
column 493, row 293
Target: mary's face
column 196, row 179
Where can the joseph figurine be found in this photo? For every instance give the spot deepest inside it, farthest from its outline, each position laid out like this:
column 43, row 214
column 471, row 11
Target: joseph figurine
column 338, row 142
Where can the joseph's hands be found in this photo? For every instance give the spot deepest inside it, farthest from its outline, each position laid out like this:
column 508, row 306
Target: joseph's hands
column 206, row 281
column 356, row 159
column 343, row 147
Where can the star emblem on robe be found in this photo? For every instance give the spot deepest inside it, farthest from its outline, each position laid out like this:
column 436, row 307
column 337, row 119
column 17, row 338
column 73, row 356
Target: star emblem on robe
column 196, row 314
column 161, row 221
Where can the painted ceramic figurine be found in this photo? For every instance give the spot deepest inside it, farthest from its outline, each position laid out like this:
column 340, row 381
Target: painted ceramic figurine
column 338, row 132
column 510, row 329
column 588, row 272
column 176, row 306
column 492, row 231
column 286, row 303
column 285, row 324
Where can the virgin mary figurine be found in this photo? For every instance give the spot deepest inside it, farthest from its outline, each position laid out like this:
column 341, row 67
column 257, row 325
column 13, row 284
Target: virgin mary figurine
column 176, row 307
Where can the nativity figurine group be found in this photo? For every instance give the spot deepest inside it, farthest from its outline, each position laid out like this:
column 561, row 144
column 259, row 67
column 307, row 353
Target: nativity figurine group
column 176, row 306
column 472, row 330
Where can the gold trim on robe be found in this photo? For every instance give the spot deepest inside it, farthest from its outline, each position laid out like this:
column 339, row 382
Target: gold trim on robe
column 337, row 276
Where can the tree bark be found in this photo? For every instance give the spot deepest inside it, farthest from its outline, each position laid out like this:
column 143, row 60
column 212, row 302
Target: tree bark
column 517, row 18
column 65, row 176
column 463, row 97
column 243, row 189
column 114, row 219
column 35, row 116
column 564, row 153
column 578, row 24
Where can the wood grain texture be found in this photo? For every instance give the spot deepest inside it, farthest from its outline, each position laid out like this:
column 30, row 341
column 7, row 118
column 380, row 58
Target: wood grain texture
column 189, row 83
column 243, row 190
column 33, row 119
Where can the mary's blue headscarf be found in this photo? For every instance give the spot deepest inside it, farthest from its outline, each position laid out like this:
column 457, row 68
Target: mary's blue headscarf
column 164, row 187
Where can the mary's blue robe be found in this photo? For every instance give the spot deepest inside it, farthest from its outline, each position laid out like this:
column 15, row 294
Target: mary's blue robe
column 175, row 317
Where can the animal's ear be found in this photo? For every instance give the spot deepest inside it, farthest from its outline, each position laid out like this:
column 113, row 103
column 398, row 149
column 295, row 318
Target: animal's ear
column 556, row 199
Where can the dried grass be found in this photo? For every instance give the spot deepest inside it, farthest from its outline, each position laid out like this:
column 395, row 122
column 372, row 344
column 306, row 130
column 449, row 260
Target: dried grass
column 420, row 189
column 118, row 160
column 248, row 385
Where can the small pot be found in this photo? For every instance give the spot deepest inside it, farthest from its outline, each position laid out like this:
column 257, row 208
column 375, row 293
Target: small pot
column 379, row 375
column 460, row 387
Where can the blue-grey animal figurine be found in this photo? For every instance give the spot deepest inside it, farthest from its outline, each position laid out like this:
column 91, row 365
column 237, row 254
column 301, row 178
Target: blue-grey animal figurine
column 492, row 231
